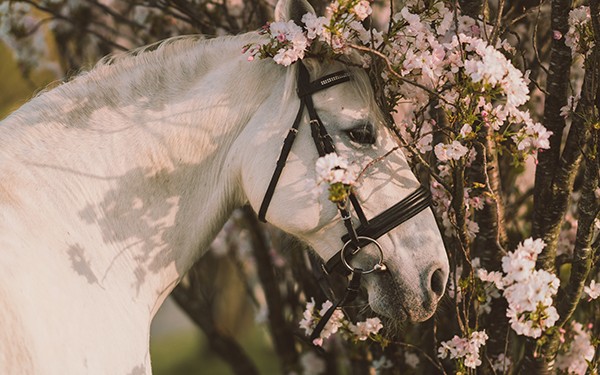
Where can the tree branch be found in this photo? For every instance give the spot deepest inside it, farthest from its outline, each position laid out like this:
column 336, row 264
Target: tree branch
column 553, row 186
column 198, row 306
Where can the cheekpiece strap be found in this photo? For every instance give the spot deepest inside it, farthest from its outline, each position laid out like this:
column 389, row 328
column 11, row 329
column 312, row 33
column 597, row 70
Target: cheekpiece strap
column 322, row 140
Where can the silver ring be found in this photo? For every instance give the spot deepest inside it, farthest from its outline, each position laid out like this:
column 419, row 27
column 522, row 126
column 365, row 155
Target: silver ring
column 377, row 267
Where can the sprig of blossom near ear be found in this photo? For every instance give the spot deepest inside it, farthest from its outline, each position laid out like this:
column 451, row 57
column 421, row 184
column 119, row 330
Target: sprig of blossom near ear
column 335, row 171
column 288, row 42
column 361, row 331
column 528, row 291
column 577, row 350
column 464, row 350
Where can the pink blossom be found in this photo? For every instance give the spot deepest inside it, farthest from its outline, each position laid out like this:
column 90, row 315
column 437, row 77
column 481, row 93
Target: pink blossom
column 466, row 349
column 314, row 25
column 493, row 277
column 333, row 168
column 579, row 351
column 424, row 143
column 556, row 35
column 362, row 10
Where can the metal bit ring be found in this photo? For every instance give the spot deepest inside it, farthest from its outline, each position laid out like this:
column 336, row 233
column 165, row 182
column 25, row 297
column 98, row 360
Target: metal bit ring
column 380, row 266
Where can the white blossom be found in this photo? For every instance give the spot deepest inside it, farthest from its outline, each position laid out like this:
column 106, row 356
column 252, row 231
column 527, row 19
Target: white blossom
column 362, row 10
column 314, row 25
column 362, row 330
column 451, row 151
column 424, row 143
column 333, row 168
column 381, row 364
column 593, row 290
column 411, row 359
column 312, row 364
column 580, row 351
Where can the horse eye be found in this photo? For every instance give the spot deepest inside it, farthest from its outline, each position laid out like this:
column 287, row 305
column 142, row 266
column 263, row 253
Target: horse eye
column 364, row 134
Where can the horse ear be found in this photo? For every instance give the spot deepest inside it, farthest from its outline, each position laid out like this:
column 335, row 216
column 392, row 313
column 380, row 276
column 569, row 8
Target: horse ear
column 292, row 10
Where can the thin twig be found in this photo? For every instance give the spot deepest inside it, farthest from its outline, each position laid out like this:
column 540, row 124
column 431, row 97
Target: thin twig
column 391, row 69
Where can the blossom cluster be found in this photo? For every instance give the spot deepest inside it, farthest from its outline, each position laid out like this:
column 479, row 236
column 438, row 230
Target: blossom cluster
column 476, row 85
column 361, row 331
column 580, row 37
column 577, row 351
column 528, row 291
column 340, row 176
column 464, row 350
column 288, row 42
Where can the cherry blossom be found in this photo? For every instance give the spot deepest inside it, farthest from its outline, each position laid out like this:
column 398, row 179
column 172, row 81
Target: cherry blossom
column 312, row 317
column 529, row 292
column 464, row 349
column 593, row 290
column 361, row 331
column 580, row 29
column 579, row 352
column 362, row 10
column 451, row 151
column 333, row 169
column 312, row 364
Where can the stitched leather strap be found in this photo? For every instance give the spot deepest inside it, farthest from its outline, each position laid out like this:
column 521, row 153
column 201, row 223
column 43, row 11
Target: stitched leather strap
column 389, row 219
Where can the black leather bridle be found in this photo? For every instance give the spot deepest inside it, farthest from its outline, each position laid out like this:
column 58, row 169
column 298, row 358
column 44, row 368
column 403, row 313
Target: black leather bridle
column 369, row 230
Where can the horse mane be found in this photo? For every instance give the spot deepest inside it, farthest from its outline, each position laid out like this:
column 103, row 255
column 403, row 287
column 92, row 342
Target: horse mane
column 171, row 63
column 178, row 47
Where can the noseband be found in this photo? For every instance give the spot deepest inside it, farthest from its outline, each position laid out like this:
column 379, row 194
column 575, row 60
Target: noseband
column 369, row 230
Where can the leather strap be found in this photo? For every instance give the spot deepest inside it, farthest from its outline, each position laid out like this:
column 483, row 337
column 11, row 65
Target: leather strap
column 322, row 140
column 381, row 224
column 351, row 294
column 285, row 151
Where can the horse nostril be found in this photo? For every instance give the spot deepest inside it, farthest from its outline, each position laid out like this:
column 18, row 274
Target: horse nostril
column 437, row 282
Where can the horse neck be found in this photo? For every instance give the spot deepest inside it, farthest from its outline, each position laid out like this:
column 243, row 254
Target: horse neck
column 134, row 160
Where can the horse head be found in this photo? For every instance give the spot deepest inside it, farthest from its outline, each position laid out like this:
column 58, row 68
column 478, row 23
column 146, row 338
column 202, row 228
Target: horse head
column 413, row 252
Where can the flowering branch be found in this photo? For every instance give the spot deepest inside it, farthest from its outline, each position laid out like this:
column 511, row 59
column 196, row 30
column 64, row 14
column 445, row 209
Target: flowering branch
column 392, row 70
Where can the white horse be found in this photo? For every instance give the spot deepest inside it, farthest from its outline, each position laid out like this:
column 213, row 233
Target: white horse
column 114, row 183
